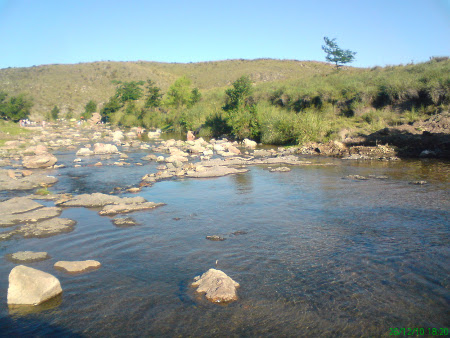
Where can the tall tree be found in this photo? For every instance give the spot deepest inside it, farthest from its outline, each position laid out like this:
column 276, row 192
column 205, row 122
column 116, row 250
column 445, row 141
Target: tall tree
column 154, row 95
column 179, row 93
column 240, row 110
column 335, row 54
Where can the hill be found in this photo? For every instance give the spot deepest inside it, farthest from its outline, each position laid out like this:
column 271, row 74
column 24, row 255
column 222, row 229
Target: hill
column 74, row 85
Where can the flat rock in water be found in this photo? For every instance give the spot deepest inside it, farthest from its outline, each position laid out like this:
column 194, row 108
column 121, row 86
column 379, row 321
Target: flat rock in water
column 28, row 286
column 77, row 266
column 26, row 182
column 27, row 256
column 30, row 216
column 124, row 222
column 46, row 228
column 217, row 286
column 215, row 172
column 17, row 205
column 97, row 200
column 126, row 208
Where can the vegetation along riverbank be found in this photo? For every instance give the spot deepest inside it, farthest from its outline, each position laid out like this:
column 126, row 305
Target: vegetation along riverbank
column 281, row 102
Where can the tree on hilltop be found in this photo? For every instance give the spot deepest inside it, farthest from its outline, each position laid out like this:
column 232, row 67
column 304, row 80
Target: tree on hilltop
column 335, row 54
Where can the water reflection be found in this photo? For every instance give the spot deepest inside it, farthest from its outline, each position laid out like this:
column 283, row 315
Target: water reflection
column 243, row 183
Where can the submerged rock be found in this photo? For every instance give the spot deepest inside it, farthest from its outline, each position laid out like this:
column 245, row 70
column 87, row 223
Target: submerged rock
column 124, row 222
column 77, row 266
column 27, row 256
column 217, row 286
column 28, row 286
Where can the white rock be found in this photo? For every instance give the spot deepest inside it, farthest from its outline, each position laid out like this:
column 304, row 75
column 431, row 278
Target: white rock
column 28, row 286
column 84, row 152
column 218, row 287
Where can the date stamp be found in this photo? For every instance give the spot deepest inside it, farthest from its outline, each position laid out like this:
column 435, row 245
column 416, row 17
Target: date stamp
column 418, row 331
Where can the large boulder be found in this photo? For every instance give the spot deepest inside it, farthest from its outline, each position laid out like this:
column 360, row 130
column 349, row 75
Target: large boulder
column 217, row 286
column 28, row 286
column 43, row 160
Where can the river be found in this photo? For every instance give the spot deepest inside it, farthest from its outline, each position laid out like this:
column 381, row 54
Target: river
column 322, row 254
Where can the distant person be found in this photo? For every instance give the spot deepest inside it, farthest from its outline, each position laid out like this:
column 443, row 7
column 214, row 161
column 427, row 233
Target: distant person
column 190, row 136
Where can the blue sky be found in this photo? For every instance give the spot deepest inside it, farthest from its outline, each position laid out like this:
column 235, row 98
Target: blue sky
column 36, row 32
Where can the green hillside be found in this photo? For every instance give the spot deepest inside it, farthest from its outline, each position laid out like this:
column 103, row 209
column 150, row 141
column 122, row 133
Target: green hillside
column 275, row 101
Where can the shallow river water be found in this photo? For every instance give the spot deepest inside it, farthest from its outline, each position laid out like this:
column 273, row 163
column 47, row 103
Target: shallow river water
column 323, row 255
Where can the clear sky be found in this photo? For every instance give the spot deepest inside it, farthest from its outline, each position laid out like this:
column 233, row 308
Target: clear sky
column 36, row 32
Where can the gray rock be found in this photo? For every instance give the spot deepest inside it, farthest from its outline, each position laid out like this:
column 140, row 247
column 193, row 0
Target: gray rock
column 217, row 286
column 46, row 228
column 28, row 286
column 77, row 266
column 27, row 256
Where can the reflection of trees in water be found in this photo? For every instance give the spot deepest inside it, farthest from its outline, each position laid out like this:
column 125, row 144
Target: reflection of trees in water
column 243, row 182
